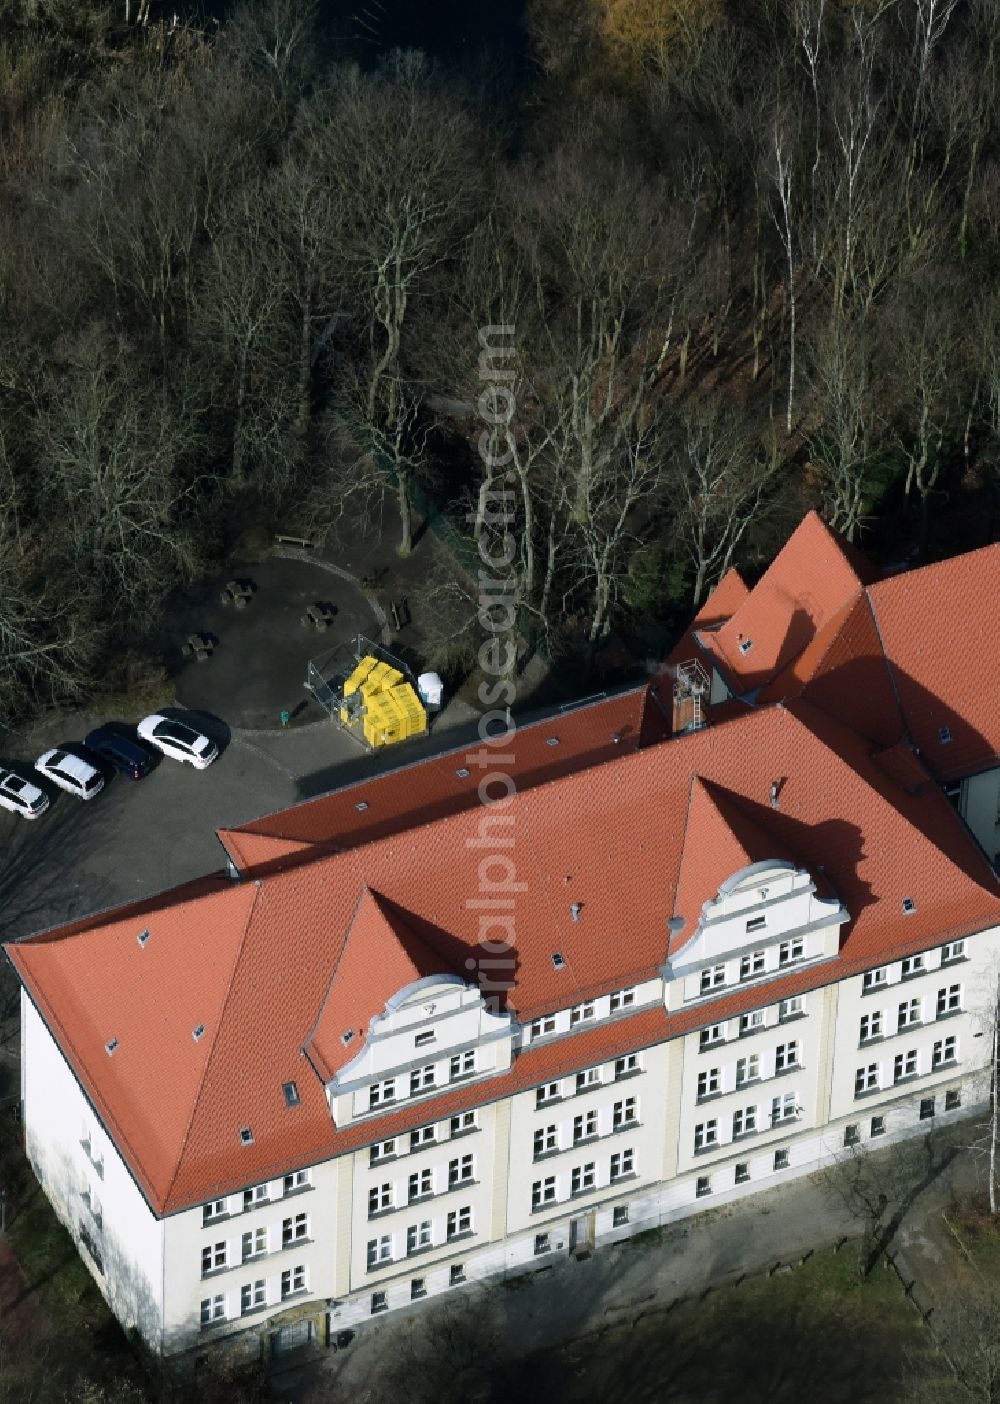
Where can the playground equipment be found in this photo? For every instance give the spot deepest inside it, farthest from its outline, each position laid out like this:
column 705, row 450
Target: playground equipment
column 369, row 693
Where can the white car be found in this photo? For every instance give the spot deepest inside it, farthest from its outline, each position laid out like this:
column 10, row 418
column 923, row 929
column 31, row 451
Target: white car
column 20, row 796
column 178, row 740
column 71, row 773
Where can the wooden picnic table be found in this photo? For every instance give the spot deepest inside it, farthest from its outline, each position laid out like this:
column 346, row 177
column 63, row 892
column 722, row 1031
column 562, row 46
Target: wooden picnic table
column 198, row 646
column 319, row 615
column 238, row 593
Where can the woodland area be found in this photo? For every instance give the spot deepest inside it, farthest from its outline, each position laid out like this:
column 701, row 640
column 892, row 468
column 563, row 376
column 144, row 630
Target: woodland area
column 749, row 251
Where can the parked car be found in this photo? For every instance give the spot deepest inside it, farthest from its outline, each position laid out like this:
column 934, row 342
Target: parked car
column 71, row 773
column 178, row 740
column 21, row 796
column 127, row 756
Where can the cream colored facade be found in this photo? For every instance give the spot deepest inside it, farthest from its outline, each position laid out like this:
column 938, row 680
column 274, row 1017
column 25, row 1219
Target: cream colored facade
column 731, row 1108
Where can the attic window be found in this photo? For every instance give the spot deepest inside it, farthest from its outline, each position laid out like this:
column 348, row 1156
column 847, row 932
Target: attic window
column 552, row 740
column 197, row 1033
column 361, row 804
column 462, row 772
column 575, row 909
column 246, row 1136
column 909, row 905
column 746, row 645
column 756, row 923
column 143, row 937
column 944, row 735
column 110, row 1046
column 346, row 1036
column 557, row 961
column 292, row 1098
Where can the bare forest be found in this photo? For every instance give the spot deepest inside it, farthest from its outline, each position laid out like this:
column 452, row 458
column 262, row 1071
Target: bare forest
column 748, row 252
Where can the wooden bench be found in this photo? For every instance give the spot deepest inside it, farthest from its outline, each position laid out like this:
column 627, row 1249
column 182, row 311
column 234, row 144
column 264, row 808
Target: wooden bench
column 284, row 538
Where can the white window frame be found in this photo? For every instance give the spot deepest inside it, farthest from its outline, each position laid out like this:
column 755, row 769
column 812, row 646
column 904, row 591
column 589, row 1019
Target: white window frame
column 622, row 999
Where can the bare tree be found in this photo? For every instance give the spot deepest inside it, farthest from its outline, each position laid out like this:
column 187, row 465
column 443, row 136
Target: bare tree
column 838, row 371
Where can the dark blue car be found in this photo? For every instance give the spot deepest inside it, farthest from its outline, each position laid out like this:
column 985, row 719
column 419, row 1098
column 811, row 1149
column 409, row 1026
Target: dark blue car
column 127, row 756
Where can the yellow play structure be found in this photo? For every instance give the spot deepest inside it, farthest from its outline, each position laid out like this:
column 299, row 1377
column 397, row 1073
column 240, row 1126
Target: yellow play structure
column 369, row 693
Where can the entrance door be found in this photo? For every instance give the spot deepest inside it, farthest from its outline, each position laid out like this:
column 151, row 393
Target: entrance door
column 581, row 1235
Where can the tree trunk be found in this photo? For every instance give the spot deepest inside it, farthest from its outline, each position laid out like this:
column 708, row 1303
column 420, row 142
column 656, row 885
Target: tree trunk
column 405, row 516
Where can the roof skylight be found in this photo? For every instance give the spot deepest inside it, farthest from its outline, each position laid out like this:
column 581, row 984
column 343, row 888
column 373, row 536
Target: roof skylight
column 246, row 1136
column 292, row 1098
column 110, row 1046
column 143, row 936
column 558, row 961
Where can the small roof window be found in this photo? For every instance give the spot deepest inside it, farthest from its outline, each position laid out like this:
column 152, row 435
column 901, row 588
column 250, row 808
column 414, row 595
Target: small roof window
column 944, row 735
column 746, row 645
column 143, row 937
column 196, row 1033
column 246, row 1136
column 909, row 905
column 558, row 961
column 291, row 1091
column 110, row 1046
column 552, row 740
column 462, row 772
column 346, row 1036
column 361, row 804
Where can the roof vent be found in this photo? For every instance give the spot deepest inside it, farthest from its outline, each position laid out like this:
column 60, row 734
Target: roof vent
column 462, row 772
column 616, row 737
column 944, row 735
column 361, row 804
column 292, row 1098
column 346, row 1036
column 557, row 961
column 746, row 645
column 143, row 937
column 197, row 1033
column 909, row 905
column 110, row 1046
column 246, row 1136
column 552, row 740
column 575, row 909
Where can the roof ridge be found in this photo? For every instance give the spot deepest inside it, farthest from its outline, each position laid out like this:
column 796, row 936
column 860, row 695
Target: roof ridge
column 214, row 1043
column 890, row 670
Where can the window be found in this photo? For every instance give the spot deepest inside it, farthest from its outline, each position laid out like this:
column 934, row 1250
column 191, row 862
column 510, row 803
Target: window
column 255, row 1196
column 379, row 1303
column 905, row 1065
column 945, row 1051
column 383, row 1150
column 781, row 1160
column 756, row 923
column 293, row 1280
column 588, row 1079
column 418, row 1236
column 380, row 1198
column 584, row 1127
column 949, row 999
column 912, row 965
column 622, row 1164
column 213, row 1258
column 708, row 1083
column 751, row 965
column 379, row 1251
column 715, row 1033
column 852, row 1134
column 254, row 1243
column 253, row 1295
column 420, row 1183
column 215, row 1210
column 381, row 1092
column 294, row 1230
column 422, row 1079
column 584, row 1177
column 952, row 1100
column 456, row 1275
column 299, row 1179
column 790, row 1008
column 463, row 1064
column 213, row 1309
column 541, row 1244
column 712, row 978
column 625, row 1067
column 619, row 1216
column 752, row 1021
column 871, row 1026
column 622, row 999
column 791, row 950
column 548, row 1093
column 422, row 1136
column 866, row 1079
column 747, row 1069
column 874, row 979
column 952, row 950
column 541, row 1027
column 878, row 1126
column 460, row 1221
column 465, row 1121
column 290, row 1089
column 784, row 1108
column 543, row 1192
column 580, row 1013
column 926, row 1108
column 742, row 1172
column 744, row 1121
column 423, row 1039
column 417, row 1289
column 546, row 1141
column 909, row 906
column 786, row 1056
column 909, row 1013
column 706, row 1134
column 704, row 1186
column 624, row 1113
column 461, row 1171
